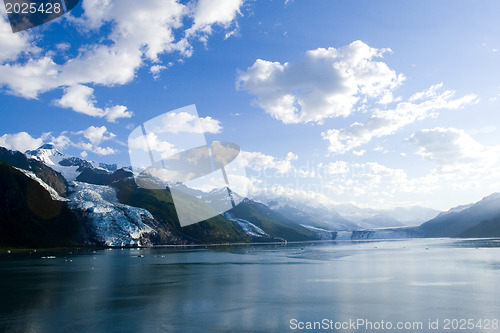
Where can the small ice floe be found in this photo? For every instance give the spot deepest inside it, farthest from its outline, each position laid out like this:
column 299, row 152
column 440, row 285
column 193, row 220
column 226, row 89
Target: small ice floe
column 49, row 257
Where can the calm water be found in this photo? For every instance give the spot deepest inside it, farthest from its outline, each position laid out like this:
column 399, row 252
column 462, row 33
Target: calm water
column 252, row 288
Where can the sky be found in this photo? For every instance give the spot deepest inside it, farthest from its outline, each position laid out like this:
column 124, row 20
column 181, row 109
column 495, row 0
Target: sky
column 376, row 103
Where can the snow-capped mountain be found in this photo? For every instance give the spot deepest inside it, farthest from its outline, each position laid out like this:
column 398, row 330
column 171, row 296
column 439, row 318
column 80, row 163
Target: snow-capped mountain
column 348, row 216
column 318, row 217
column 69, row 166
column 113, row 210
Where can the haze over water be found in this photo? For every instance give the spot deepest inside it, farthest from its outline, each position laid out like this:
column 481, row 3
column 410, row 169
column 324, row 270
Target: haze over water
column 250, row 288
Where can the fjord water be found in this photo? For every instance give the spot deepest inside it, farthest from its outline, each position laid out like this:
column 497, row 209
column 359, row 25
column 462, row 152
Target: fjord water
column 249, row 288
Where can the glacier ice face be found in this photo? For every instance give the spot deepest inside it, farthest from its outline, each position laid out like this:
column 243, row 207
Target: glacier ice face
column 393, row 233
column 112, row 222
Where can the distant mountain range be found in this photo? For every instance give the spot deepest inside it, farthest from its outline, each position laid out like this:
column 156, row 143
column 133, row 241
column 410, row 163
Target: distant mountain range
column 481, row 219
column 348, row 216
column 100, row 204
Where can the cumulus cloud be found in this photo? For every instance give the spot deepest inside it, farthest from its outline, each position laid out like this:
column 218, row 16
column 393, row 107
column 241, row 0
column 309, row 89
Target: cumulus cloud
column 88, row 140
column 116, row 112
column 386, row 122
column 212, row 12
column 326, row 83
column 262, row 162
column 184, row 122
column 155, row 70
column 12, row 44
column 96, row 135
column 307, row 197
column 61, row 141
column 369, row 178
column 334, row 168
column 103, row 151
column 21, row 141
column 151, row 141
column 137, row 33
column 81, row 99
column 450, row 146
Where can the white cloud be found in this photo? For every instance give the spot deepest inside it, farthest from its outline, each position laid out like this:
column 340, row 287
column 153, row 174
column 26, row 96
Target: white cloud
column 151, row 141
column 81, row 99
column 87, row 146
column 137, row 33
column 21, row 141
column 60, row 142
column 369, row 178
column 386, row 122
column 261, row 162
column 12, row 45
column 63, row 46
column 116, row 112
column 104, row 151
column 326, row 83
column 359, row 152
column 155, row 70
column 212, row 12
column 450, row 146
column 333, row 168
column 183, row 122
column 30, row 78
column 96, row 135
column 307, row 197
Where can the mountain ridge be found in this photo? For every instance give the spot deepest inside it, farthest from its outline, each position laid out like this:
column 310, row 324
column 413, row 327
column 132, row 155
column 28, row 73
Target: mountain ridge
column 113, row 210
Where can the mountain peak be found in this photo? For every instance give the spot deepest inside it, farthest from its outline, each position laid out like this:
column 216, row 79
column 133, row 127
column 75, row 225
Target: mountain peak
column 47, row 146
column 45, row 153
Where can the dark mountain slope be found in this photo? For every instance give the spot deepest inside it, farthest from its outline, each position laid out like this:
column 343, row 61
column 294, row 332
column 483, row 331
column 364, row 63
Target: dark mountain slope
column 457, row 221
column 53, row 178
column 489, row 228
column 160, row 204
column 28, row 215
column 271, row 222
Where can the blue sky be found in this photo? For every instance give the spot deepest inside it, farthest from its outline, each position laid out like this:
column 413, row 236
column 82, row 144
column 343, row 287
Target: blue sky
column 378, row 103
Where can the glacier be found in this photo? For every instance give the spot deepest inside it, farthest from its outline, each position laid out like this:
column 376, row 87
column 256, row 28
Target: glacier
column 111, row 222
column 249, row 228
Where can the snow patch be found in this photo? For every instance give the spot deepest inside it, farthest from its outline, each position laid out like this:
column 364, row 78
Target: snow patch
column 53, row 193
column 249, row 228
column 112, row 222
